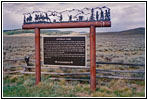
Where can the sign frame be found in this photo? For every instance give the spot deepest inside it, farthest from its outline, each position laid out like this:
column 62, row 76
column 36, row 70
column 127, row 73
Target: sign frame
column 91, row 25
column 86, row 54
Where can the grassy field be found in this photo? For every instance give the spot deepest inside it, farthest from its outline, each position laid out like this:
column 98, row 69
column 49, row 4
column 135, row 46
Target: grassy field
column 24, row 86
column 109, row 48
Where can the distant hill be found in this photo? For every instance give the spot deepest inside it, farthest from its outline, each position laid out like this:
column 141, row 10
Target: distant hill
column 136, row 31
column 16, row 31
column 83, row 32
column 49, row 32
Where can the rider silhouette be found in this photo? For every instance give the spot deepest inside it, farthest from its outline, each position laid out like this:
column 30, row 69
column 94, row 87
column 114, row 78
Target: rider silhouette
column 29, row 18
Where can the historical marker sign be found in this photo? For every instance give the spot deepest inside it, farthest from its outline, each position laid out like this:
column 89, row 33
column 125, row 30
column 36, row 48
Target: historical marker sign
column 65, row 50
column 69, row 51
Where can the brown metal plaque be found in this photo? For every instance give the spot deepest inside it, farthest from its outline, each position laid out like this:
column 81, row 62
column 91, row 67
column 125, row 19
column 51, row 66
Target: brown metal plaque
column 65, row 50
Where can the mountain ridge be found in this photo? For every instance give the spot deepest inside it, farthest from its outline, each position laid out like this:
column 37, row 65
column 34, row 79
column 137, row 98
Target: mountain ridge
column 48, row 32
column 135, row 31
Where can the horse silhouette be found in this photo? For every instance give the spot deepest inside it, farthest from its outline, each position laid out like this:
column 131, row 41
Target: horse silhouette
column 42, row 18
column 29, row 19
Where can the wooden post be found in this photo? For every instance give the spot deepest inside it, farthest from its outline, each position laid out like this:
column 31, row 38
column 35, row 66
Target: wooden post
column 37, row 55
column 93, row 58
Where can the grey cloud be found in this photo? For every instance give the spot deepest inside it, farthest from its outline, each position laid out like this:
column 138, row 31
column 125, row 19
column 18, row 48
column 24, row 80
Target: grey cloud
column 123, row 15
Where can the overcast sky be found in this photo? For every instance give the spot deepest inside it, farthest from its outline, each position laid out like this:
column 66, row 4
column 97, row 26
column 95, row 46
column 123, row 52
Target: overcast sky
column 123, row 15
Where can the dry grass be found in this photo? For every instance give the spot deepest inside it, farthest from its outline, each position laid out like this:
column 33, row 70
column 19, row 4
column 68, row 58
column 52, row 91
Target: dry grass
column 126, row 49
column 47, row 88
